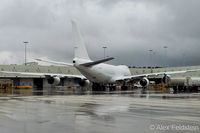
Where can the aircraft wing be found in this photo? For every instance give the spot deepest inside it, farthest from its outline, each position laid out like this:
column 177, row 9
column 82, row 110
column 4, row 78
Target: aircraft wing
column 154, row 74
column 46, row 74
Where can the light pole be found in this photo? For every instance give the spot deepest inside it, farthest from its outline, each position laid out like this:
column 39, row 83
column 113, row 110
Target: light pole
column 165, row 64
column 25, row 45
column 183, row 59
column 154, row 59
column 104, row 51
column 150, row 53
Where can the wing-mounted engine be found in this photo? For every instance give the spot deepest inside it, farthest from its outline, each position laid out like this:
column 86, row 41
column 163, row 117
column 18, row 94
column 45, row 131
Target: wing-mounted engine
column 83, row 82
column 166, row 79
column 53, row 80
column 144, row 82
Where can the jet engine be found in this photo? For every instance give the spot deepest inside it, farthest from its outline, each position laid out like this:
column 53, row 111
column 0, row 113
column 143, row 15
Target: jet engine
column 53, row 80
column 144, row 82
column 166, row 79
column 83, row 82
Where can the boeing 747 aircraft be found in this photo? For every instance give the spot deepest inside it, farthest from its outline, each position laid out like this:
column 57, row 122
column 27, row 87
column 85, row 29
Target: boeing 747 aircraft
column 96, row 72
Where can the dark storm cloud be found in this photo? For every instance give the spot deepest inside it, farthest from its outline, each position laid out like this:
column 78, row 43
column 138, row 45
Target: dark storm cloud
column 129, row 28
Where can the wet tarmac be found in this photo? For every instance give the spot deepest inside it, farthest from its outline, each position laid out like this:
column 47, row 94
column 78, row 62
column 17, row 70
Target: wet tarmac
column 118, row 113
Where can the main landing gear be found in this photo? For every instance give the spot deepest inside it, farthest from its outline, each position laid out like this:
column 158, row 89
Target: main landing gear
column 106, row 87
column 103, row 87
column 98, row 87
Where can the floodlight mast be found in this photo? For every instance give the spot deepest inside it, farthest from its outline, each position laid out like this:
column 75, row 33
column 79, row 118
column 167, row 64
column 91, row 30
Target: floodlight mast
column 25, row 46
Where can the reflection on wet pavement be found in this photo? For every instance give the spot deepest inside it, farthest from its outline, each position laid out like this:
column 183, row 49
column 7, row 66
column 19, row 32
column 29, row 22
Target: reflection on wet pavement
column 99, row 113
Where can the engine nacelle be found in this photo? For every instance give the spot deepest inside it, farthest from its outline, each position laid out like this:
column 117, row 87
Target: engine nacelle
column 144, row 82
column 53, row 80
column 83, row 82
column 166, row 79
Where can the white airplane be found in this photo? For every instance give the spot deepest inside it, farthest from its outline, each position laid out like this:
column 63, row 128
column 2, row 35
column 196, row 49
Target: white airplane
column 96, row 72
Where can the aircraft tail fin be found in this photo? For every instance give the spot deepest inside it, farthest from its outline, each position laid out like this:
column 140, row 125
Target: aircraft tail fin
column 79, row 44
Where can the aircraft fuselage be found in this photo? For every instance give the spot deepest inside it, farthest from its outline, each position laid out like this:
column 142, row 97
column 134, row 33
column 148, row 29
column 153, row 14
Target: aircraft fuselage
column 101, row 73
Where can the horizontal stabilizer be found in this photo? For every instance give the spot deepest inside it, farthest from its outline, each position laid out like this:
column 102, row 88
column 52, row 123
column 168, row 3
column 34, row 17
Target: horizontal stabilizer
column 96, row 62
column 55, row 62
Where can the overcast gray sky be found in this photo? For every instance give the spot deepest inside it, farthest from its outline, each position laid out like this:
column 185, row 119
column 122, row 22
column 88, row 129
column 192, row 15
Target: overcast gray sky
column 129, row 28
